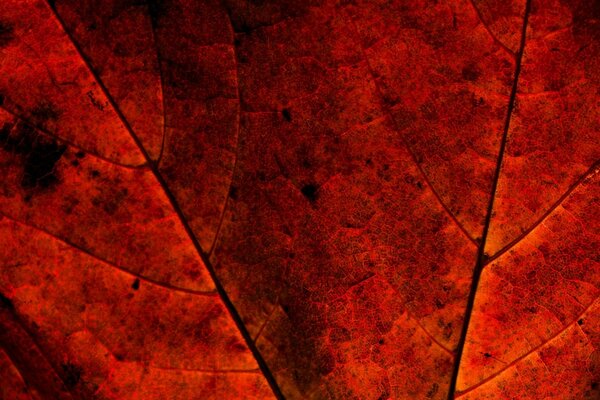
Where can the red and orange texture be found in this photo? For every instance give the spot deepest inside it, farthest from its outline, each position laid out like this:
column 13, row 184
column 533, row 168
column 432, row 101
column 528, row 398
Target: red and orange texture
column 309, row 199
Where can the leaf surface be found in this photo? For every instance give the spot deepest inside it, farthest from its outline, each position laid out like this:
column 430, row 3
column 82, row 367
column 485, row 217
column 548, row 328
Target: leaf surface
column 302, row 200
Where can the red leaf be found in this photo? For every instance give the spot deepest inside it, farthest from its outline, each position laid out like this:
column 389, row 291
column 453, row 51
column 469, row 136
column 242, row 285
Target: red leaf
column 324, row 199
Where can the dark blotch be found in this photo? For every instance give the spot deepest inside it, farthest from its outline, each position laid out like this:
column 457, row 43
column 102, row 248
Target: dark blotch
column 470, row 73
column 5, row 302
column 45, row 112
column 136, row 284
column 39, row 164
column 580, row 322
column 94, row 173
column 487, row 355
column 433, row 391
column 40, row 154
column 6, row 33
column 72, row 375
column 309, row 191
column 80, row 154
column 233, row 193
column 286, row 115
column 156, row 9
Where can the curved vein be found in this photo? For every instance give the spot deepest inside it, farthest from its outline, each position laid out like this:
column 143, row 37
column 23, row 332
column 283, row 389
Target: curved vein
column 407, row 146
column 589, row 173
column 517, row 360
column 234, row 314
column 110, row 263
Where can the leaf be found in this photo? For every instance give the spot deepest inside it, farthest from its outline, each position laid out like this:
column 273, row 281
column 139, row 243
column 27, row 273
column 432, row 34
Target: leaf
column 326, row 200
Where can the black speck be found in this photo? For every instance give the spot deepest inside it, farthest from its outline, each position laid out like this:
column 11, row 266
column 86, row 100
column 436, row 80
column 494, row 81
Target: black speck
column 580, row 322
column 233, row 192
column 594, row 385
column 75, row 163
column 487, row 355
column 368, row 161
column 309, row 191
column 419, row 185
column 72, row 374
column 94, row 173
column 80, row 154
column 136, row 284
column 5, row 302
column 381, row 341
column 1, row 99
column 286, row 115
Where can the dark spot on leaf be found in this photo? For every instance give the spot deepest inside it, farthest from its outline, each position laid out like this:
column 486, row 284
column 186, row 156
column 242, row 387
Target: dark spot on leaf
column 470, row 72
column 487, row 355
column 381, row 341
column 5, row 302
column 309, row 191
column 433, row 391
column 6, row 33
column 580, row 322
column 244, row 28
column 40, row 154
column 72, row 375
column 233, row 192
column 136, row 284
column 80, row 154
column 95, row 102
column 156, row 9
column 94, row 173
column 594, row 385
column 286, row 115
column 1, row 99
column 75, row 163
column 45, row 112
column 39, row 164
